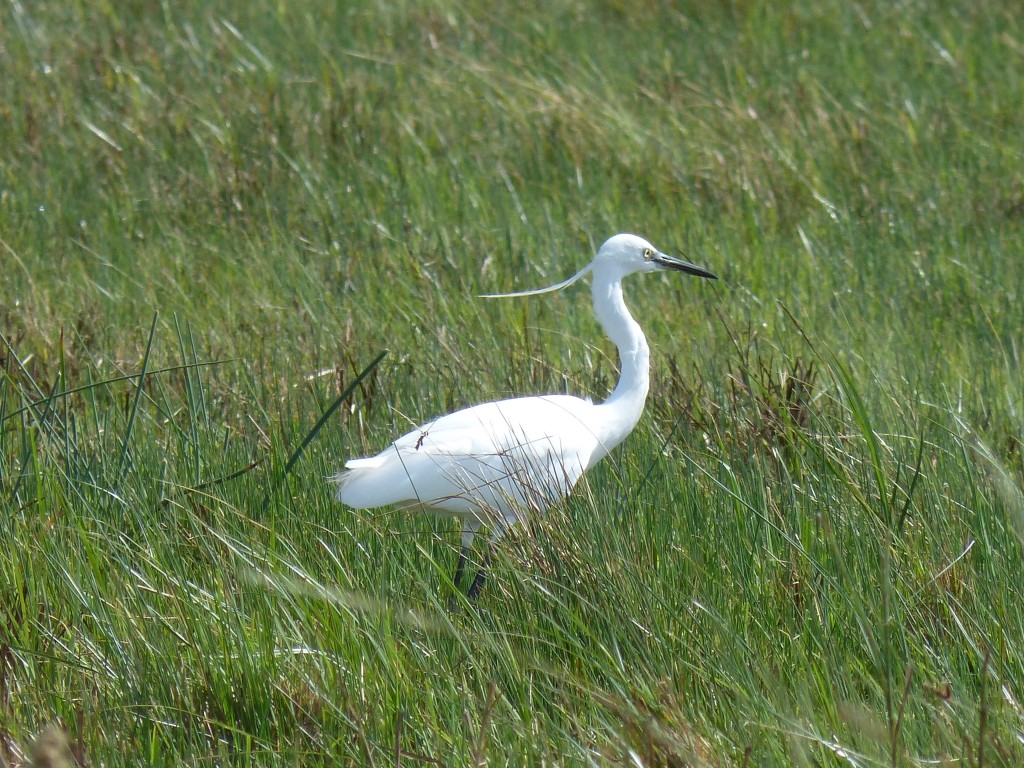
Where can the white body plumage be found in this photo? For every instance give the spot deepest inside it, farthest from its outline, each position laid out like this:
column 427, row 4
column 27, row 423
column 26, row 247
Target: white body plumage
column 491, row 463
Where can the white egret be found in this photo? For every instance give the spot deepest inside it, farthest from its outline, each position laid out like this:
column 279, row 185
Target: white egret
column 494, row 462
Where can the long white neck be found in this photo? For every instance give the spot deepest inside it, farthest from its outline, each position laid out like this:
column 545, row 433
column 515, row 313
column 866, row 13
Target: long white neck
column 622, row 410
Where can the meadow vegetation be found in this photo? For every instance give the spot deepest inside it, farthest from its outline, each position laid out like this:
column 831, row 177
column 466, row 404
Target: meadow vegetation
column 216, row 216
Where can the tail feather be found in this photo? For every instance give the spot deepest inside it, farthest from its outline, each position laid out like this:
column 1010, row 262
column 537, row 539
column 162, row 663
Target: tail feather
column 375, row 481
column 370, row 462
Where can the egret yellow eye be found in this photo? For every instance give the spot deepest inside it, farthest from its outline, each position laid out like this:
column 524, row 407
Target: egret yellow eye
column 648, row 254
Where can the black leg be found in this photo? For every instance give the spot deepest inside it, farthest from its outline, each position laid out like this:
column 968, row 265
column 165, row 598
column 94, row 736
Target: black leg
column 460, row 567
column 481, row 575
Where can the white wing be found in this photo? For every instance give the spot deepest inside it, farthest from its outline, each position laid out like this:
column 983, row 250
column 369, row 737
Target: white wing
column 492, row 458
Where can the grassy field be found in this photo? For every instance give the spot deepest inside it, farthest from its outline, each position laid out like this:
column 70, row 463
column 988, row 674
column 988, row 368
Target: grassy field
column 215, row 216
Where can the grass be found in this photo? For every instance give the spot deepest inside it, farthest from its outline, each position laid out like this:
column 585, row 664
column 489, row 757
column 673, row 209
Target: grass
column 213, row 220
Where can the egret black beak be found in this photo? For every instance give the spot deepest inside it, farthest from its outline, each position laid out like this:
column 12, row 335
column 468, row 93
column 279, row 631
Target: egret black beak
column 671, row 262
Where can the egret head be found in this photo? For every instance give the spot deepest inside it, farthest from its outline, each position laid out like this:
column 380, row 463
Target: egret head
column 626, row 254
column 620, row 255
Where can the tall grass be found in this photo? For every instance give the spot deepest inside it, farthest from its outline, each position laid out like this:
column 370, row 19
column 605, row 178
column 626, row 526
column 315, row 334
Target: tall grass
column 215, row 218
